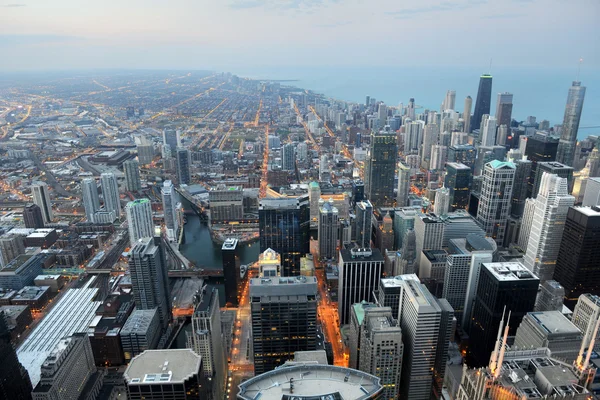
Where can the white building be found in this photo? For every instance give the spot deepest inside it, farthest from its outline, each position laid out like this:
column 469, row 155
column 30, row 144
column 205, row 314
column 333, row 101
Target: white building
column 139, row 220
column 496, row 196
column 328, row 230
column 110, row 192
column 403, row 185
column 169, row 199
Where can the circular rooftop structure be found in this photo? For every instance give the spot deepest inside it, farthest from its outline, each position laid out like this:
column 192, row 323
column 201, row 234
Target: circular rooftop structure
column 311, row 382
column 476, row 242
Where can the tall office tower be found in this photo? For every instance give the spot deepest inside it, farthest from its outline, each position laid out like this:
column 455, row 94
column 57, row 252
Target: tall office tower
column 577, row 267
column 382, row 115
column 11, row 246
column 464, row 154
column 539, row 148
column 488, row 135
column 568, row 137
column 449, row 100
column 439, row 156
column 548, row 222
column 484, row 99
column 174, row 374
column 145, row 150
column 554, row 168
column 502, row 135
column 14, row 379
column 590, row 198
column 328, row 230
column 302, row 151
column 458, row 182
column 184, row 175
column 359, row 273
column 357, row 317
column 404, row 219
column 91, row 200
column 171, row 138
column 284, row 319
column 169, row 200
column 288, row 162
column 467, row 114
column 110, row 192
column 431, row 134
column 504, row 107
column 408, row 255
column 133, row 182
column 520, row 186
column 206, row 340
column 585, row 316
column 380, row 169
column 381, row 349
column 149, row 281
column 403, row 185
column 32, row 216
column 412, row 137
column 426, row 324
column 364, row 224
column 231, row 271
column 410, row 109
column 41, row 198
column 67, row 370
column 429, row 231
column 139, row 220
column 285, row 227
column 503, row 287
column 314, row 194
column 385, row 233
column 368, row 101
column 550, row 297
column 442, row 201
column 496, row 195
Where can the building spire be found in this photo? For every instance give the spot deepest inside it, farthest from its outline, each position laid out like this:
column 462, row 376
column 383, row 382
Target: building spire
column 494, row 358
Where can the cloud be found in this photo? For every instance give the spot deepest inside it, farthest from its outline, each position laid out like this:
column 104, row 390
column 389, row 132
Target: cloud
column 243, row 4
column 20, row 40
column 14, row 5
column 280, row 4
column 333, row 25
column 504, row 16
column 439, row 7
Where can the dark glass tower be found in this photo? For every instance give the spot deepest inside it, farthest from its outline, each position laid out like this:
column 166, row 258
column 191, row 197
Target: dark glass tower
column 231, row 271
column 570, row 126
column 380, row 170
column 555, row 168
column 32, row 214
column 284, row 225
column 577, row 263
column 14, row 379
column 484, row 99
column 458, row 181
column 539, row 149
column 183, row 166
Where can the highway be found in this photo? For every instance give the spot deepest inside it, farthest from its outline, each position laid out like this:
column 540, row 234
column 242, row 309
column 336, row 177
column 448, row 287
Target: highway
column 329, row 131
column 306, row 130
column 265, row 167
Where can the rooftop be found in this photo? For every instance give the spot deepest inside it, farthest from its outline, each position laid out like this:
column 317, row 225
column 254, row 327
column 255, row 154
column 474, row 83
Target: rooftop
column 160, row 366
column 397, row 280
column 554, row 322
column 510, row 271
column 138, row 322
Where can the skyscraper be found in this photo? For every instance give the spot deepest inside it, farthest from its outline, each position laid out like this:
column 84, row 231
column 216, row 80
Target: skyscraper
column 132, row 176
column 328, row 229
column 231, row 271
column 458, row 182
column 431, row 135
column 285, row 227
column 288, row 162
column 284, row 319
column 412, row 137
column 364, row 224
column 521, row 183
column 139, row 220
column 568, row 138
column 449, row 100
column 149, row 282
column 380, row 169
column 548, row 222
column 91, row 200
column 503, row 287
column 14, row 379
column 314, row 194
column 41, row 198
column 442, row 201
column 577, row 267
column 403, row 185
column 171, row 138
column 110, row 192
column 429, row 231
column 32, row 216
column 169, row 200
column 145, row 150
column 504, row 107
column 467, row 114
column 11, row 246
column 555, row 168
column 184, row 175
column 488, row 135
column 496, row 195
column 484, row 98
column 539, row 148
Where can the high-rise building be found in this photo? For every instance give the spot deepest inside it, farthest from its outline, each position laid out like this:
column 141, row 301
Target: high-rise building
column 67, row 370
column 314, row 194
column 170, row 200
column 380, row 169
column 284, row 319
column 463, row 153
column 413, row 136
column 206, row 340
column 133, row 183
column 488, row 134
column 442, row 201
column 139, row 220
column 554, row 168
column 431, row 135
column 360, row 270
column 288, row 162
column 551, row 297
column 382, row 114
column 226, row 204
column 381, row 349
column 458, row 182
column 503, row 287
column 150, row 285
column 467, row 114
column 171, row 138
column 41, row 198
column 32, row 216
column 590, row 198
column 504, row 107
column 429, row 231
column 231, row 271
column 110, row 192
column 11, row 246
column 14, row 379
column 184, row 175
column 328, row 230
column 364, row 224
column 548, row 222
column 285, row 227
column 568, row 138
column 91, row 200
column 483, row 102
column 539, row 148
column 585, row 316
column 404, row 219
column 174, row 374
column 496, row 195
column 141, row 332
column 520, row 187
column 145, row 150
column 577, row 267
column 449, row 100
column 403, row 185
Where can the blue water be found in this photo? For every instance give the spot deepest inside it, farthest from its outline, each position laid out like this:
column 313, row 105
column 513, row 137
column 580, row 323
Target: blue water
column 538, row 92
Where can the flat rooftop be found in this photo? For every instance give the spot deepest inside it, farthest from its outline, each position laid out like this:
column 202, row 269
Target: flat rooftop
column 161, row 366
column 311, row 381
column 510, row 271
column 554, row 322
column 397, row 280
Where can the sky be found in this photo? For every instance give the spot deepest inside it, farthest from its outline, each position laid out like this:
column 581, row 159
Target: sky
column 225, row 34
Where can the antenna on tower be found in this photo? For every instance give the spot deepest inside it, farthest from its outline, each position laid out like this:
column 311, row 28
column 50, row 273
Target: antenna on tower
column 579, row 68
